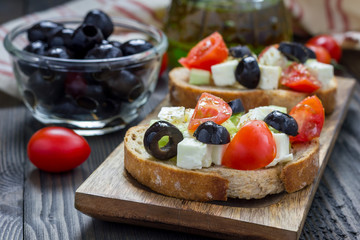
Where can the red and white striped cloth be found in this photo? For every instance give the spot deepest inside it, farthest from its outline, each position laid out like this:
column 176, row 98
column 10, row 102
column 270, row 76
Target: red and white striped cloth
column 150, row 12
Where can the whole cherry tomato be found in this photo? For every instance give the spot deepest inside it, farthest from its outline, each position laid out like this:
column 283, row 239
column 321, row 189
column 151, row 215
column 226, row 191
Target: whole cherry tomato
column 57, row 149
column 253, row 147
column 209, row 108
column 309, row 115
column 209, row 51
column 322, row 55
column 329, row 43
column 298, row 78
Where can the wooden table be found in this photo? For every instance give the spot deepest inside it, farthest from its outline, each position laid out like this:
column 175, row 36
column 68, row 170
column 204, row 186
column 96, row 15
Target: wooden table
column 40, row 205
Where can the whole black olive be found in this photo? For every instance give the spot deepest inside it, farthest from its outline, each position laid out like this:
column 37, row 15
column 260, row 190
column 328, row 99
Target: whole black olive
column 212, row 133
column 236, row 106
column 157, row 131
column 126, row 86
column 115, row 43
column 43, row 31
column 101, row 20
column 58, row 52
column 62, row 38
column 247, row 72
column 240, row 51
column 282, row 122
column 37, row 47
column 92, row 97
column 84, row 38
column 103, row 51
column 134, row 46
column 68, row 108
column 294, row 51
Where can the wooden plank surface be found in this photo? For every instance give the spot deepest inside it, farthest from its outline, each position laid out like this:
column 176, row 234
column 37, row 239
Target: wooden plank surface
column 109, row 193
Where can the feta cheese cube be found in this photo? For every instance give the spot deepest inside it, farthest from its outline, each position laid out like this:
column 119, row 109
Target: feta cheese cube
column 323, row 72
column 191, row 153
column 282, row 149
column 217, row 153
column 258, row 113
column 172, row 115
column 269, row 77
column 273, row 57
column 224, row 73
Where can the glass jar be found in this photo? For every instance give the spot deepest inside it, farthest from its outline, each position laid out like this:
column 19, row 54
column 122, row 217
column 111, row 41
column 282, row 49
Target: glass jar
column 256, row 23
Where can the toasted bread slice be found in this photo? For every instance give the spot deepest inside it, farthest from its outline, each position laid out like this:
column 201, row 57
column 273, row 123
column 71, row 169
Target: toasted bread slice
column 184, row 94
column 217, row 182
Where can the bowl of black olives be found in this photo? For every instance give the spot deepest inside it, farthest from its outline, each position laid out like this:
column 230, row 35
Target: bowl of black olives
column 91, row 74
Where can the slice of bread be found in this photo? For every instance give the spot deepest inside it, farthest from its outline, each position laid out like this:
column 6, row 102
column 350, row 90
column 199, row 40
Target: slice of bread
column 184, row 94
column 217, row 182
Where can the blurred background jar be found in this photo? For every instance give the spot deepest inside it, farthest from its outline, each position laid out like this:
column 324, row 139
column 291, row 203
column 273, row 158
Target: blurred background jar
column 256, row 23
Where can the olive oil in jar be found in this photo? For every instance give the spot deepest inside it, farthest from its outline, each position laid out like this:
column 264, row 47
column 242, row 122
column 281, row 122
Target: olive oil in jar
column 256, row 23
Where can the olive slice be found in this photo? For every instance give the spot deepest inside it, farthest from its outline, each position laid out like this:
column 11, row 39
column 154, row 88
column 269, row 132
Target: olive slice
column 212, row 133
column 247, row 72
column 157, row 131
column 282, row 122
column 236, row 106
column 294, row 51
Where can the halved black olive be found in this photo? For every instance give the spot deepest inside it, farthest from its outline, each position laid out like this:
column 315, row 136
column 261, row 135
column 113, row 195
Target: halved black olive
column 240, row 51
column 294, row 51
column 212, row 133
column 236, row 106
column 157, row 131
column 247, row 72
column 282, row 122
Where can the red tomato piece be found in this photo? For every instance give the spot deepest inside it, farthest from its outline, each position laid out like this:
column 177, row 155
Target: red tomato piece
column 209, row 108
column 310, row 116
column 298, row 78
column 253, row 147
column 329, row 43
column 322, row 55
column 57, row 149
column 209, row 51
column 164, row 64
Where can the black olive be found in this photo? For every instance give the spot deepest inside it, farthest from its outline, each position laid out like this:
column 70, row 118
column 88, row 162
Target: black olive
column 103, row 51
column 134, row 46
column 310, row 52
column 62, row 38
column 43, row 30
column 126, row 86
column 84, row 38
column 68, row 108
column 247, row 72
column 101, row 20
column 240, row 51
column 282, row 122
column 153, row 135
column 236, row 106
column 294, row 51
column 212, row 133
column 37, row 47
column 59, row 52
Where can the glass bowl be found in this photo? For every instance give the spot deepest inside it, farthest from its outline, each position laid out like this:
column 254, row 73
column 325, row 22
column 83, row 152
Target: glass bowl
column 92, row 97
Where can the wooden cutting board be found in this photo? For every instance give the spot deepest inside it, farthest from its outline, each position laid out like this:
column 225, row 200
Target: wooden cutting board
column 111, row 194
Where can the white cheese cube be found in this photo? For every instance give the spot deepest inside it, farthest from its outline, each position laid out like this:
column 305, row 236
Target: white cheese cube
column 191, row 153
column 224, row 73
column 323, row 72
column 273, row 57
column 282, row 149
column 269, row 77
column 207, row 160
column 217, row 153
column 258, row 113
column 172, row 115
column 188, row 114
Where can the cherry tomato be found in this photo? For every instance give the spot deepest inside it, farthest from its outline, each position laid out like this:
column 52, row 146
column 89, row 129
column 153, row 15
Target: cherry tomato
column 57, row 149
column 209, row 51
column 322, row 55
column 209, row 108
column 329, row 43
column 309, row 115
column 164, row 64
column 298, row 78
column 253, row 147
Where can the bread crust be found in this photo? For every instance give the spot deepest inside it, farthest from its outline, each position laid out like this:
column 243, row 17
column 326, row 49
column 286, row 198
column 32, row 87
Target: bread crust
column 217, row 182
column 184, row 94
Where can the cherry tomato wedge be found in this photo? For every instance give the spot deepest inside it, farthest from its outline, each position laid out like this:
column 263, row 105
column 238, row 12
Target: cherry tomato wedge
column 57, row 149
column 253, row 147
column 309, row 115
column 209, row 108
column 298, row 78
column 209, row 51
column 329, row 43
column 322, row 55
